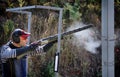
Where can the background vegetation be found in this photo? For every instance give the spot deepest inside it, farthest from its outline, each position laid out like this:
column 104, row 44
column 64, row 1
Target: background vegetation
column 74, row 61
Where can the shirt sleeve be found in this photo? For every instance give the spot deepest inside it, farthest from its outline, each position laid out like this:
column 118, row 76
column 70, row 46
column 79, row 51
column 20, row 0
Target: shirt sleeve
column 7, row 52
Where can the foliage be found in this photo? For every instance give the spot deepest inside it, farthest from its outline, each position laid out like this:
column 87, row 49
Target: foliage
column 42, row 1
column 42, row 67
column 21, row 3
column 74, row 13
column 10, row 4
column 8, row 28
column 48, row 70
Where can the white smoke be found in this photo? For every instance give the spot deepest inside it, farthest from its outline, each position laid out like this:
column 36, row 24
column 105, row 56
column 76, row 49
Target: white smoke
column 85, row 38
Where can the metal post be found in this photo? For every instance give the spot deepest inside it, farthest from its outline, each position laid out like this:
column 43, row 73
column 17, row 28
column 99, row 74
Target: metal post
column 29, row 24
column 107, row 38
column 59, row 36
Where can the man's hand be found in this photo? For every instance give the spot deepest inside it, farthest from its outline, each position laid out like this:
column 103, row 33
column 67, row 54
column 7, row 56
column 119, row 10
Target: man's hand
column 49, row 45
column 39, row 49
column 33, row 45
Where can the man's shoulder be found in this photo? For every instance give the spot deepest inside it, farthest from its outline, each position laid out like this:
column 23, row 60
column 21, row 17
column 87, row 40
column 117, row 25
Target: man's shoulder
column 5, row 46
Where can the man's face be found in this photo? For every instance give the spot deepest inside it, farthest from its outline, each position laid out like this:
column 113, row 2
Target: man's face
column 23, row 41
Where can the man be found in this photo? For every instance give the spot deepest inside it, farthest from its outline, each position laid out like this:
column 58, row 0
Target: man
column 14, row 53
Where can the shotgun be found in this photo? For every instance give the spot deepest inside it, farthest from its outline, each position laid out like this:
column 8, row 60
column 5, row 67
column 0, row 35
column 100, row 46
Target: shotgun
column 55, row 37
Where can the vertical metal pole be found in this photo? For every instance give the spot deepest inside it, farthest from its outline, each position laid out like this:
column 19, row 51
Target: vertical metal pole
column 59, row 35
column 59, row 30
column 107, row 38
column 29, row 30
column 29, row 24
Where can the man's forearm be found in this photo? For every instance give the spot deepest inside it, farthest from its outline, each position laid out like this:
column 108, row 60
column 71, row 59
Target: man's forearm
column 7, row 52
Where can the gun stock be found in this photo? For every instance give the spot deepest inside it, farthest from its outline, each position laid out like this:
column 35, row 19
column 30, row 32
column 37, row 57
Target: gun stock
column 55, row 37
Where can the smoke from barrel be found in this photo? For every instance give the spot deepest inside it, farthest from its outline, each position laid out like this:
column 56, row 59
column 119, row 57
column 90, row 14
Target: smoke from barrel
column 86, row 39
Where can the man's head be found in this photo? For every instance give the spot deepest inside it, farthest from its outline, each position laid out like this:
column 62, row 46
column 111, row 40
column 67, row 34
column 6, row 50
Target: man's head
column 20, row 36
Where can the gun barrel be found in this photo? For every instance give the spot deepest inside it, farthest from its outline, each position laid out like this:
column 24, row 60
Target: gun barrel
column 76, row 30
column 54, row 37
